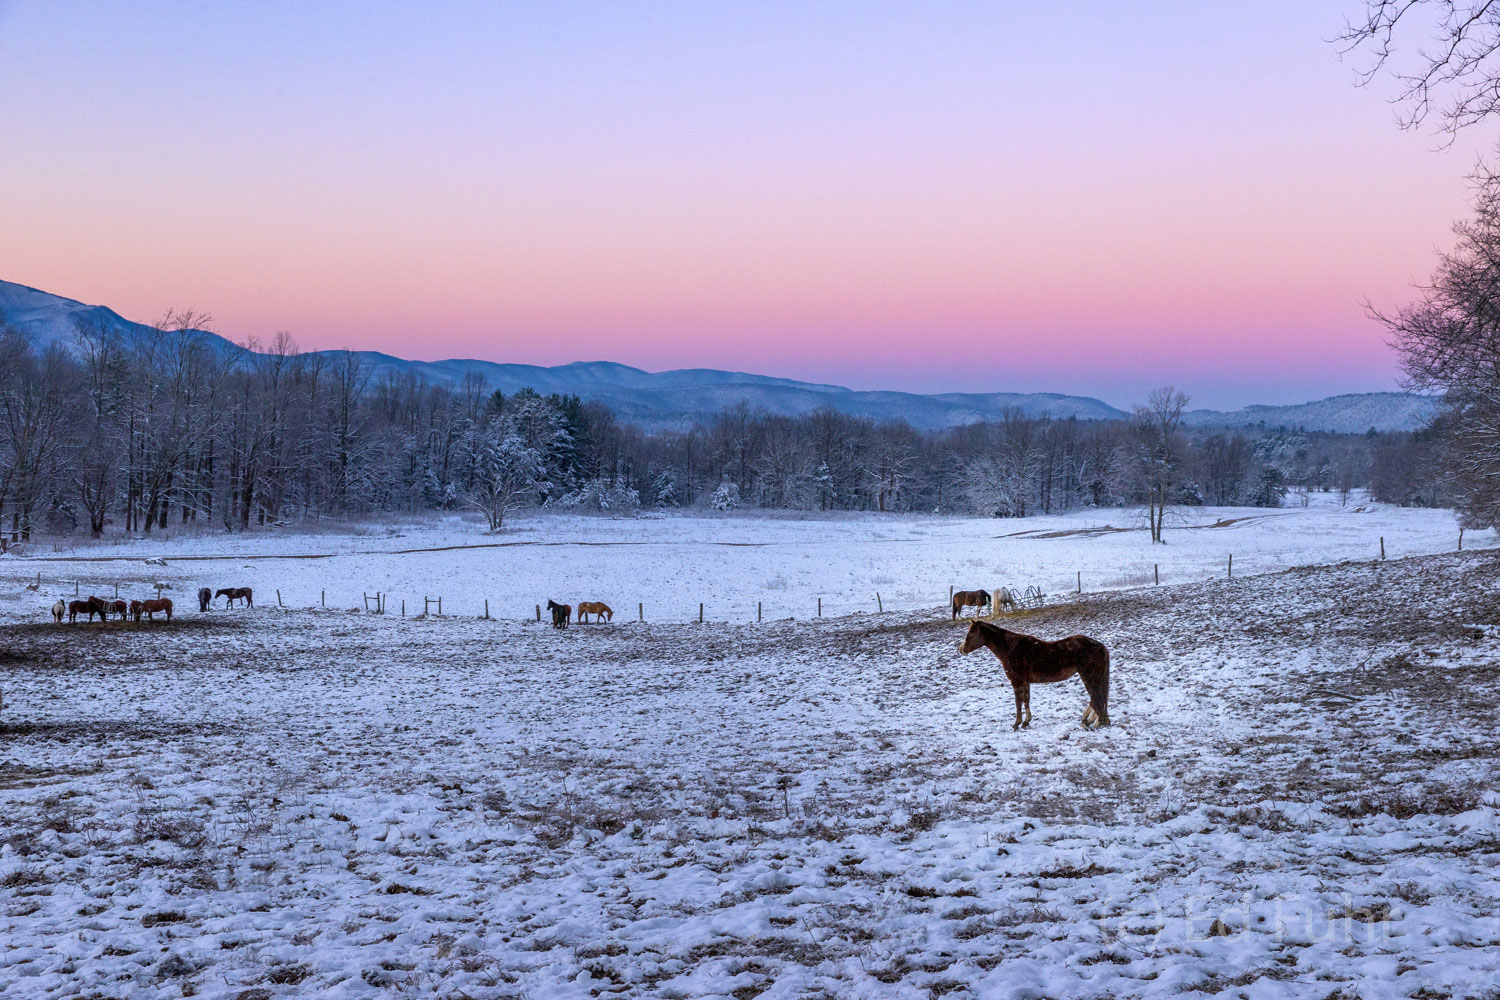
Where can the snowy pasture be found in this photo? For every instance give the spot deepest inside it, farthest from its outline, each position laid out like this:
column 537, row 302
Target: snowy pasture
column 1297, row 797
column 728, row 563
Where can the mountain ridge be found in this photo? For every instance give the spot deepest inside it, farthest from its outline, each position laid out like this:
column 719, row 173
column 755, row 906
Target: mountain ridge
column 677, row 398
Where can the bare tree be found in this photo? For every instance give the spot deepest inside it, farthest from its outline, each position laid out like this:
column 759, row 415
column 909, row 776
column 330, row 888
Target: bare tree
column 1454, row 69
column 1449, row 341
column 1156, row 424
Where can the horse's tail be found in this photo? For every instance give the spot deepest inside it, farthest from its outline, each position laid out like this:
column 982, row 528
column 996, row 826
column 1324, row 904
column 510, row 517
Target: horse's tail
column 1099, row 696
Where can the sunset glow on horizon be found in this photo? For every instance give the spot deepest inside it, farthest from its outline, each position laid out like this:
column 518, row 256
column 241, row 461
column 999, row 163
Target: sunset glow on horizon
column 928, row 198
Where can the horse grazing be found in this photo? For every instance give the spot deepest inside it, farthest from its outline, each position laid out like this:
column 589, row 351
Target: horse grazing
column 152, row 606
column 970, row 599
column 561, row 613
column 118, row 607
column 1028, row 660
column 595, row 608
column 58, row 610
column 93, row 606
column 232, row 594
column 102, row 606
column 205, row 596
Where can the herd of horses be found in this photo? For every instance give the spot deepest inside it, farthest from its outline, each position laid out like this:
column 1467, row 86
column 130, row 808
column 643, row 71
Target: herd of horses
column 149, row 609
column 562, row 614
column 1026, row 659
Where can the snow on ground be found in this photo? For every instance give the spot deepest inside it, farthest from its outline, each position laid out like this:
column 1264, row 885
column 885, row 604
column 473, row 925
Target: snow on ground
column 1297, row 797
column 729, row 563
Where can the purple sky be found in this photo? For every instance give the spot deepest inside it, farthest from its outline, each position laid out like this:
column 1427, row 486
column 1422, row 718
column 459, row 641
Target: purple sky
column 1093, row 198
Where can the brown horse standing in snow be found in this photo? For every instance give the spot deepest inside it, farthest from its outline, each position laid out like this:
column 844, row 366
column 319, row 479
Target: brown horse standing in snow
column 151, row 607
column 93, row 606
column 1028, row 660
column 232, row 594
column 598, row 609
column 975, row 599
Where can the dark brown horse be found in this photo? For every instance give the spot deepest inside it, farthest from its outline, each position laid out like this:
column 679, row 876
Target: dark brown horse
column 561, row 614
column 232, row 594
column 1029, row 660
column 118, row 607
column 598, row 609
column 205, row 596
column 93, row 606
column 152, row 606
column 970, row 599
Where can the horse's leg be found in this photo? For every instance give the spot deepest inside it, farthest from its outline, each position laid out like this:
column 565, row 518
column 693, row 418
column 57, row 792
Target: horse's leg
column 1026, row 693
column 1019, row 700
column 1096, row 682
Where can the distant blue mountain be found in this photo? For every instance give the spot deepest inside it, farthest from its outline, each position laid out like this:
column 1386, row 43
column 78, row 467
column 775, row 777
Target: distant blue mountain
column 676, row 399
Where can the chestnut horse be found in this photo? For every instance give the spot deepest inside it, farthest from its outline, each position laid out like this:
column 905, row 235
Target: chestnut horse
column 1028, row 660
column 561, row 613
column 595, row 608
column 118, row 607
column 970, row 599
column 151, row 607
column 231, row 594
column 205, row 596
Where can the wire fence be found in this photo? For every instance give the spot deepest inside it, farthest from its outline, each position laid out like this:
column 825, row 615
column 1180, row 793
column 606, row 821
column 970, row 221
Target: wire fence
column 1002, row 600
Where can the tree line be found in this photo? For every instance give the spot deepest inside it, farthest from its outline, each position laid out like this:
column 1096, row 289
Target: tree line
column 136, row 434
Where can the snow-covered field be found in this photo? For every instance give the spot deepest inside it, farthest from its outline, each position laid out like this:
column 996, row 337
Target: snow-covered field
column 1297, row 797
column 731, row 563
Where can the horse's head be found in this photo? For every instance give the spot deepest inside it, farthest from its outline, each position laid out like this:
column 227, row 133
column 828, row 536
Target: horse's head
column 973, row 639
column 553, row 605
column 224, row 592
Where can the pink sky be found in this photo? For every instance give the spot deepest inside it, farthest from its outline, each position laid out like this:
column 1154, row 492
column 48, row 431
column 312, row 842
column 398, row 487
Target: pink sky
column 957, row 198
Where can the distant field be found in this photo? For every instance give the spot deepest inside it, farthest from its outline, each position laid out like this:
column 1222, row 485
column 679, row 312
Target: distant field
column 729, row 562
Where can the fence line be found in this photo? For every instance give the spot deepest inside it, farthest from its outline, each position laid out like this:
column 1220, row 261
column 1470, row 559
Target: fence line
column 432, row 606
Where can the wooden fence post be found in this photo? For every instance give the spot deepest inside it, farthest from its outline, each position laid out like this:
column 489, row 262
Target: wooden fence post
column 486, row 608
column 538, row 613
column 75, row 588
column 117, row 586
column 1382, row 546
column 757, row 612
column 1460, row 539
column 403, row 607
column 278, row 599
column 820, row 607
column 322, row 598
column 1231, row 565
column 640, row 611
column 1156, row 568
column 879, row 606
column 440, row 605
column 700, row 612
column 1080, row 581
